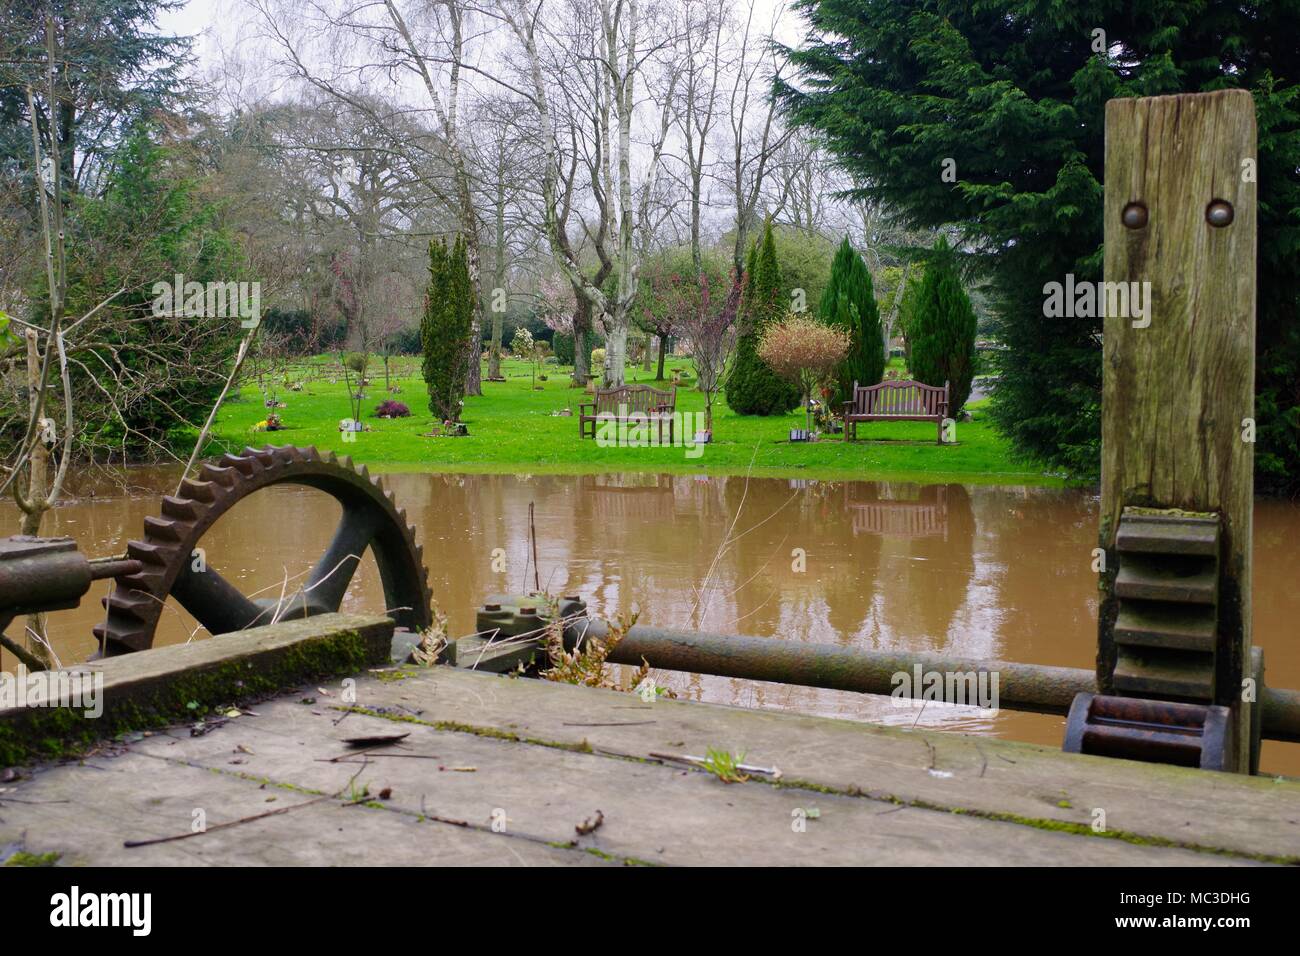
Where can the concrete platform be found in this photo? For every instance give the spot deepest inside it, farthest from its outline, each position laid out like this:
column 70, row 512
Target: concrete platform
column 502, row 771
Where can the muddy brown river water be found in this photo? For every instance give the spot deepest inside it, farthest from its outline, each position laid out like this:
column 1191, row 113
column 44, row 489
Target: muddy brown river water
column 980, row 571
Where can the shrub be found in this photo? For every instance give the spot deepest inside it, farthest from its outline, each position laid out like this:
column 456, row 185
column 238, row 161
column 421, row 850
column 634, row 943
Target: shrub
column 562, row 343
column 391, row 408
column 803, row 351
column 597, row 358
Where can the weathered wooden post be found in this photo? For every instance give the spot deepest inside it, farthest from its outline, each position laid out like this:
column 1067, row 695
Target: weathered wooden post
column 1178, row 407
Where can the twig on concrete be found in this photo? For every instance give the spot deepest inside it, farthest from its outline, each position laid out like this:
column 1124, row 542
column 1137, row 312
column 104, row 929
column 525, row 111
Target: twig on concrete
column 132, row 844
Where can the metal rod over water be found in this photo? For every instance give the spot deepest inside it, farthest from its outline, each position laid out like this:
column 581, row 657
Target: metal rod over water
column 1036, row 688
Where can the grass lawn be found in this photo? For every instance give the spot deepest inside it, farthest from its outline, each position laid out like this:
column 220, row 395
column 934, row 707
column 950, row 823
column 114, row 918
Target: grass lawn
column 512, row 428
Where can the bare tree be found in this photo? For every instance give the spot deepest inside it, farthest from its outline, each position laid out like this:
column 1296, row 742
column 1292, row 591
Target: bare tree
column 755, row 132
column 582, row 70
column 360, row 45
column 710, row 330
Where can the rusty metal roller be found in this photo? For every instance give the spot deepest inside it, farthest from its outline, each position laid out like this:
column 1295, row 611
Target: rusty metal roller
column 1155, row 731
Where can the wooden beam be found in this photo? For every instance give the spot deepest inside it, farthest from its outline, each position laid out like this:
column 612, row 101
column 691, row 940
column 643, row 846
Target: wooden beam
column 1179, row 380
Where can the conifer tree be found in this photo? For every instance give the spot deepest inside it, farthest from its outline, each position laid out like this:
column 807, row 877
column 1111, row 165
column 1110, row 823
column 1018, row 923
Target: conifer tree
column 943, row 334
column 445, row 328
column 849, row 302
column 752, row 387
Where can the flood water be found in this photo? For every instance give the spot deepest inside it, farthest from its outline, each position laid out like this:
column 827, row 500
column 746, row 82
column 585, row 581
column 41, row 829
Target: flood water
column 1002, row 573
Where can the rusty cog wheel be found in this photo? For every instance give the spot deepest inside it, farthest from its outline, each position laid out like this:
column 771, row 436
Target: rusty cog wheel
column 370, row 519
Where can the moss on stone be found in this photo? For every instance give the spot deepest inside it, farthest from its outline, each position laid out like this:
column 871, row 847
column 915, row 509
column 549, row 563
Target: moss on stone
column 23, row 858
column 45, row 733
column 454, row 726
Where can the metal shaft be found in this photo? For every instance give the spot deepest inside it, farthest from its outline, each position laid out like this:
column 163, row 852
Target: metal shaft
column 1036, row 688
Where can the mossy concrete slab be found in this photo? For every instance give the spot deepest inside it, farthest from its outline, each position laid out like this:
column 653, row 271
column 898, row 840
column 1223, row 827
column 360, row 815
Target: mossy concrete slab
column 155, row 687
column 649, row 811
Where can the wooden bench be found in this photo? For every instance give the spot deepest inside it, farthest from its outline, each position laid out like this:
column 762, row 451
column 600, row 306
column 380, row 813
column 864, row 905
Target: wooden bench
column 649, row 405
column 901, row 401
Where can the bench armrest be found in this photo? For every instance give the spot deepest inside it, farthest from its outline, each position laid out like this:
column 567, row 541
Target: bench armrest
column 585, row 405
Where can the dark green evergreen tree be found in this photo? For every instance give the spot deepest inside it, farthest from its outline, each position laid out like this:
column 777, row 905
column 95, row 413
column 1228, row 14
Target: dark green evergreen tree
column 117, row 67
column 943, row 332
column 753, row 388
column 991, row 115
column 445, row 328
column 849, row 302
column 151, row 222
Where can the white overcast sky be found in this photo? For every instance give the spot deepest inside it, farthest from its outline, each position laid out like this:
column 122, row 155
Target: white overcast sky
column 213, row 21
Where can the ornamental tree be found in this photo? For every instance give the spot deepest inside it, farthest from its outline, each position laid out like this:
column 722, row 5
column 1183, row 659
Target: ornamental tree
column 805, row 352
column 849, row 303
column 943, row 331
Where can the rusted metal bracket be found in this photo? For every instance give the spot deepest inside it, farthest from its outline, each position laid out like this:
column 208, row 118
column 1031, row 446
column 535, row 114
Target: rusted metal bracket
column 510, row 631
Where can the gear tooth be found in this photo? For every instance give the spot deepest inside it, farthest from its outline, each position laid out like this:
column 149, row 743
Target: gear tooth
column 332, row 457
column 131, row 603
column 264, row 456
column 164, row 528
column 198, row 490
column 125, row 637
column 309, row 453
column 180, row 508
column 245, row 466
column 147, row 553
column 346, row 462
column 216, row 475
column 364, row 472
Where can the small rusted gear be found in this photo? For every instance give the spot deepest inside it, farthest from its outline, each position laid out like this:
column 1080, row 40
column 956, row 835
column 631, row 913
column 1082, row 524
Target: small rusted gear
column 370, row 519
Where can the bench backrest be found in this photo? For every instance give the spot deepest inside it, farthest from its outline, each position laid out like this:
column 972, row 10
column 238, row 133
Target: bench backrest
column 900, row 398
column 633, row 398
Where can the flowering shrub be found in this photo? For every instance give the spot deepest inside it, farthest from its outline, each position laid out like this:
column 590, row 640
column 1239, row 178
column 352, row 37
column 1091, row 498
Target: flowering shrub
column 391, row 408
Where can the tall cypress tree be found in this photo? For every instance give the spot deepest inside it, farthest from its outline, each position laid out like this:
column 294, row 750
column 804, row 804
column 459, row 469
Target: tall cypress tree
column 445, row 328
column 849, row 302
column 991, row 115
column 943, row 334
column 752, row 387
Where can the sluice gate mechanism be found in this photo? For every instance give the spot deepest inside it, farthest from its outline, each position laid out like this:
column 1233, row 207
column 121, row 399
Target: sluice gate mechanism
column 1177, row 679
